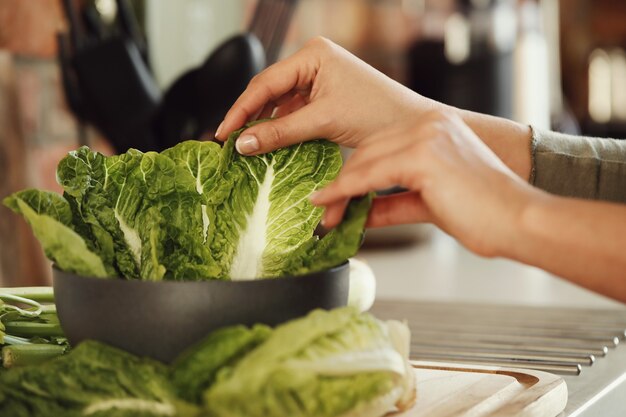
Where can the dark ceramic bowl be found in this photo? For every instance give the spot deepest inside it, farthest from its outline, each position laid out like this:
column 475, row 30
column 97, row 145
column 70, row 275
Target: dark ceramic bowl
column 161, row 319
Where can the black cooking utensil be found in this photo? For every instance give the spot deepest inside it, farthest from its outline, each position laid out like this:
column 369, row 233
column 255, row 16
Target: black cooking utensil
column 93, row 23
column 161, row 319
column 68, row 76
column 130, row 27
column 176, row 117
column 226, row 73
column 70, row 85
column 200, row 98
column 75, row 28
column 106, row 79
column 119, row 91
column 198, row 101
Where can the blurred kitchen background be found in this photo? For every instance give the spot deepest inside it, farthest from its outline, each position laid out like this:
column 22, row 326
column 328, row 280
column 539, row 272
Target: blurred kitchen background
column 557, row 64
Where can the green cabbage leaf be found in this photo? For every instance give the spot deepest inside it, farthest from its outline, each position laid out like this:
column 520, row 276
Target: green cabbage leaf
column 194, row 211
column 329, row 363
column 267, row 217
column 196, row 369
column 92, row 380
column 326, row 364
column 49, row 215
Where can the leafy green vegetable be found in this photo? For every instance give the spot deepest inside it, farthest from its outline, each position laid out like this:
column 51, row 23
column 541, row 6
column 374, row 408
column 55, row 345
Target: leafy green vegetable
column 326, row 364
column 93, row 380
column 149, row 206
column 338, row 245
column 205, row 162
column 197, row 368
column 268, row 215
column 30, row 354
column 37, row 294
column 29, row 335
column 329, row 363
column 60, row 243
column 194, row 211
column 80, row 172
column 42, row 202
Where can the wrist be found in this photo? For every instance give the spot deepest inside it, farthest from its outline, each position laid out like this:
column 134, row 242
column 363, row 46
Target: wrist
column 529, row 224
column 510, row 141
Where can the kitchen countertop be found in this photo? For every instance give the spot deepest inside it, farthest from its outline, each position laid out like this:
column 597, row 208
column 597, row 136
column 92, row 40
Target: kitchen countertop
column 437, row 268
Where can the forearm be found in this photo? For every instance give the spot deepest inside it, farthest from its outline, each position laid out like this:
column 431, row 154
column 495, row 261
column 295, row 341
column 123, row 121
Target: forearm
column 582, row 241
column 566, row 165
column 507, row 139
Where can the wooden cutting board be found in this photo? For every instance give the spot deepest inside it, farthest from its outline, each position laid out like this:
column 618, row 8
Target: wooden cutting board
column 446, row 390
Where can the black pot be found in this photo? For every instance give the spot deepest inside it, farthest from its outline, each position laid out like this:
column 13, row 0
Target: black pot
column 161, row 319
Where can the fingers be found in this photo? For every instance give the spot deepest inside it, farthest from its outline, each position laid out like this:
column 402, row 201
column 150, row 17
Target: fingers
column 350, row 183
column 310, row 122
column 379, row 147
column 403, row 208
column 269, row 110
column 333, row 214
column 294, row 74
column 294, row 104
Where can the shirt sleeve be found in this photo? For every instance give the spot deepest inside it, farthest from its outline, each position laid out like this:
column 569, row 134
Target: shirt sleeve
column 575, row 166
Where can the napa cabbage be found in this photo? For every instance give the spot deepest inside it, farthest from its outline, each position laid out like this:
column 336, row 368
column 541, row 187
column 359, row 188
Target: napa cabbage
column 194, row 211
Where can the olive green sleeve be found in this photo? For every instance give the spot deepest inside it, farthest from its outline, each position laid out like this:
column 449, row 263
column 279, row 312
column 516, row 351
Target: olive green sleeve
column 575, row 166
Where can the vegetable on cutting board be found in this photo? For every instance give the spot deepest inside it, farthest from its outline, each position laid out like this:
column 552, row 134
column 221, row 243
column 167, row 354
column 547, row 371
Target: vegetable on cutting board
column 327, row 364
column 194, row 211
column 94, row 379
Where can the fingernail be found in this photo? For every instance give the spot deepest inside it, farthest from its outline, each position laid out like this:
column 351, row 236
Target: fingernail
column 247, row 144
column 323, row 221
column 219, row 129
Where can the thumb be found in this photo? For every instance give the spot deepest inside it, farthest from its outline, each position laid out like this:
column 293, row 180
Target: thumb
column 307, row 123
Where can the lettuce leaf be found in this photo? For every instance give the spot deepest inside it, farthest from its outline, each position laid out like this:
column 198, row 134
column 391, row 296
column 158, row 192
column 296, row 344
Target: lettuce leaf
column 48, row 215
column 339, row 244
column 329, row 363
column 93, row 380
column 148, row 204
column 194, row 211
column 268, row 216
column 85, row 175
column 196, row 369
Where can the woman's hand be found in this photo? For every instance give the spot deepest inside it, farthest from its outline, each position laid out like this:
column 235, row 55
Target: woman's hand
column 454, row 180
column 322, row 91
column 465, row 172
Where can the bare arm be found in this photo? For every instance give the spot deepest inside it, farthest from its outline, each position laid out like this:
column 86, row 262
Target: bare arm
column 507, row 139
column 324, row 91
column 583, row 241
column 471, row 182
column 459, row 184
